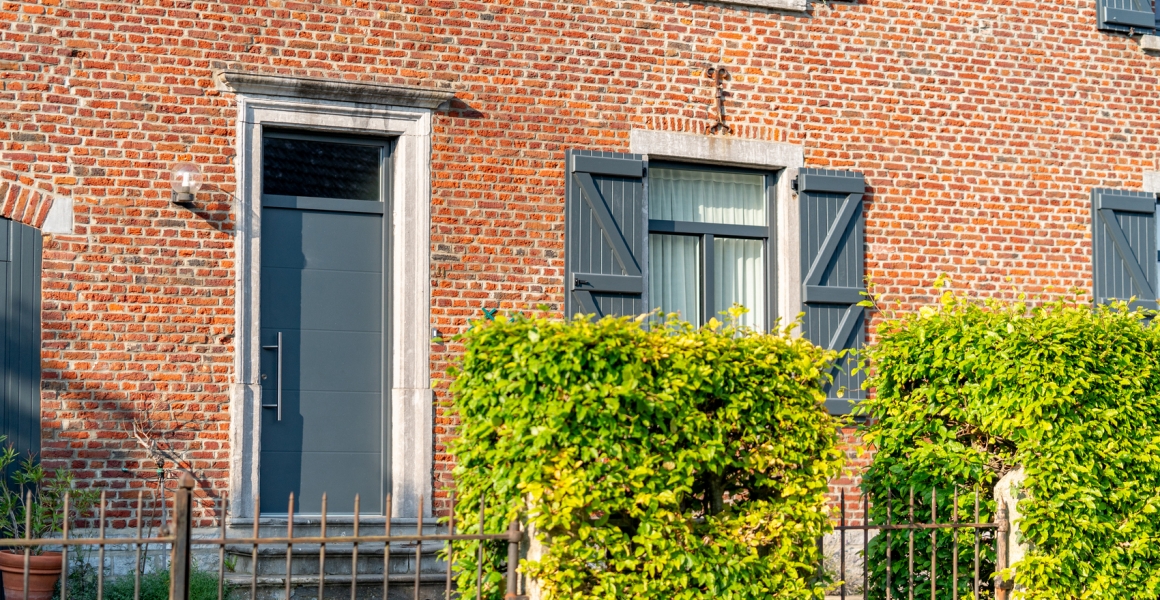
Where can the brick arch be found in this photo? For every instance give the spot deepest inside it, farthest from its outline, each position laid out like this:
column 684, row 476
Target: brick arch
column 21, row 202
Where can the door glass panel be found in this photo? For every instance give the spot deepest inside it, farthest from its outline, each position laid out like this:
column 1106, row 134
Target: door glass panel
column 706, row 196
column 739, row 278
column 318, row 169
column 674, row 279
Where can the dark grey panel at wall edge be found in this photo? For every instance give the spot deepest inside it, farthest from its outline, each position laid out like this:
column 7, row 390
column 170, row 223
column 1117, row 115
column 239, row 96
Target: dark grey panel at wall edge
column 20, row 322
column 5, row 237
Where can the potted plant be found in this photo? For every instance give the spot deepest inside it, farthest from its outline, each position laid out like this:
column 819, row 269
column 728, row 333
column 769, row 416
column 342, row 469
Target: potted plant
column 32, row 504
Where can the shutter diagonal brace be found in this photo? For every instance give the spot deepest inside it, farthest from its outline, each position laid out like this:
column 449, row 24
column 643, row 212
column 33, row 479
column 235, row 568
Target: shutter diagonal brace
column 842, row 337
column 607, row 224
column 587, row 304
column 1124, row 249
column 829, row 247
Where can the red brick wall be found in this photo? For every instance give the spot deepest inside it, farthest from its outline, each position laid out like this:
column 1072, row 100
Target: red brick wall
column 981, row 128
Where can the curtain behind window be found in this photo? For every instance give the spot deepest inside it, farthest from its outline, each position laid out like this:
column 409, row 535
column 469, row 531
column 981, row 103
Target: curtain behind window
column 739, row 278
column 675, row 282
column 706, row 197
column 674, row 275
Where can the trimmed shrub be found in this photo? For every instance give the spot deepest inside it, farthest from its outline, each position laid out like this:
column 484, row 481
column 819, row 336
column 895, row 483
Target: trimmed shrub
column 669, row 462
column 967, row 391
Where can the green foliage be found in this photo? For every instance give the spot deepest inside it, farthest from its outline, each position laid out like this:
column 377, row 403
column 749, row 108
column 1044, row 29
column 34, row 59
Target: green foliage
column 32, row 499
column 82, row 585
column 968, row 391
column 664, row 462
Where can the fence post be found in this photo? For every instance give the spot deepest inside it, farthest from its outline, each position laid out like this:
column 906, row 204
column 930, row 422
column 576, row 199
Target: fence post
column 1001, row 553
column 182, row 531
column 513, row 561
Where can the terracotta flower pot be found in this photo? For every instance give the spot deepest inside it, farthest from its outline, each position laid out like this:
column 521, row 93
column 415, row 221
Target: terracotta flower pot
column 43, row 571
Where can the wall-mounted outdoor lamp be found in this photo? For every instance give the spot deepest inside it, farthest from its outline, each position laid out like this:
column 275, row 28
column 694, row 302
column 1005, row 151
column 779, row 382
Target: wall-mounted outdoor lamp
column 186, row 181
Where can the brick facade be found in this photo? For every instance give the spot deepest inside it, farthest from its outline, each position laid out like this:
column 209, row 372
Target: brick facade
column 980, row 127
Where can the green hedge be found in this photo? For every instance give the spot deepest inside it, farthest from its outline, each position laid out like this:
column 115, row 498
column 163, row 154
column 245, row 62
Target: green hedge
column 967, row 391
column 666, row 463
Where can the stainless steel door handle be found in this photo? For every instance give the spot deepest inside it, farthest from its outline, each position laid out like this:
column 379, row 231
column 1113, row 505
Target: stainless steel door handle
column 279, row 349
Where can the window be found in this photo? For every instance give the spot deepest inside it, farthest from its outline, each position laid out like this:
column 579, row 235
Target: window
column 304, row 165
column 708, row 242
column 694, row 239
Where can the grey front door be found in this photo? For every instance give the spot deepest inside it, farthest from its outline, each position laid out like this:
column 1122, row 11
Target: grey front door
column 323, row 322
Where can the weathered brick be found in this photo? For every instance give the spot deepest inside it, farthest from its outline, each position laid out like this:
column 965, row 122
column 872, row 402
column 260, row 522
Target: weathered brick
column 981, row 128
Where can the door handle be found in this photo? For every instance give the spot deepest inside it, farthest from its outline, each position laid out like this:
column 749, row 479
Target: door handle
column 279, row 388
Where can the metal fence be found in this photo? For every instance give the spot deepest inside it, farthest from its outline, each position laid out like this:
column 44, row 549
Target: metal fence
column 180, row 545
column 882, row 575
column 891, row 566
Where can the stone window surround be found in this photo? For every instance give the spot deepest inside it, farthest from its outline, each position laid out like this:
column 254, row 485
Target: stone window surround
column 310, row 105
column 1152, row 182
column 794, row 5
column 753, row 154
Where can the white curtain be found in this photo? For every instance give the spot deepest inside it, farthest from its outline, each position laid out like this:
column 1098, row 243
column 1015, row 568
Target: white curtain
column 706, row 196
column 739, row 278
column 674, row 275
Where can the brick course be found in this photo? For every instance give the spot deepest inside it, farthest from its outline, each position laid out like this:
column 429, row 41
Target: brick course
column 981, row 128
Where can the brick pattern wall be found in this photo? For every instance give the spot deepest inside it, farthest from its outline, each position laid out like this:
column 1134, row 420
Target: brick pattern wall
column 981, row 128
column 20, row 201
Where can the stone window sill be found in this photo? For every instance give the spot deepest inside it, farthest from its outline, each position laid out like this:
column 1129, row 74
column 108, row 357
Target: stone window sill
column 1150, row 43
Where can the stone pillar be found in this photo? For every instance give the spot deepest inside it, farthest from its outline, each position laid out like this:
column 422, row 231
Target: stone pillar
column 1008, row 493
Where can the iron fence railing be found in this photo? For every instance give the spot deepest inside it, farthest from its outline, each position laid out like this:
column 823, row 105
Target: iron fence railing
column 880, row 574
column 178, row 542
column 892, row 566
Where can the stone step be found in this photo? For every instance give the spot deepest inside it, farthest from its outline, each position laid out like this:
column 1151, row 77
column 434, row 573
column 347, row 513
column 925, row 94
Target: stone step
column 342, row 528
column 305, row 559
column 432, row 586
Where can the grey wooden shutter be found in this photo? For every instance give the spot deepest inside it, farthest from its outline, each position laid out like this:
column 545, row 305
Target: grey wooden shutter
column 832, row 263
column 607, row 234
column 20, row 250
column 1124, row 247
column 1125, row 15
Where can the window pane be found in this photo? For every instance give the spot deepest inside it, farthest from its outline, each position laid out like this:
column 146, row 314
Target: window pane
column 706, row 196
column 739, row 278
column 318, row 169
column 674, row 275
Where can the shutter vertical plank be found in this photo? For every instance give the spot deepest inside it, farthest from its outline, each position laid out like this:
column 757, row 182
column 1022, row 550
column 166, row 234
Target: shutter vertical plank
column 833, row 266
column 607, row 234
column 20, row 336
